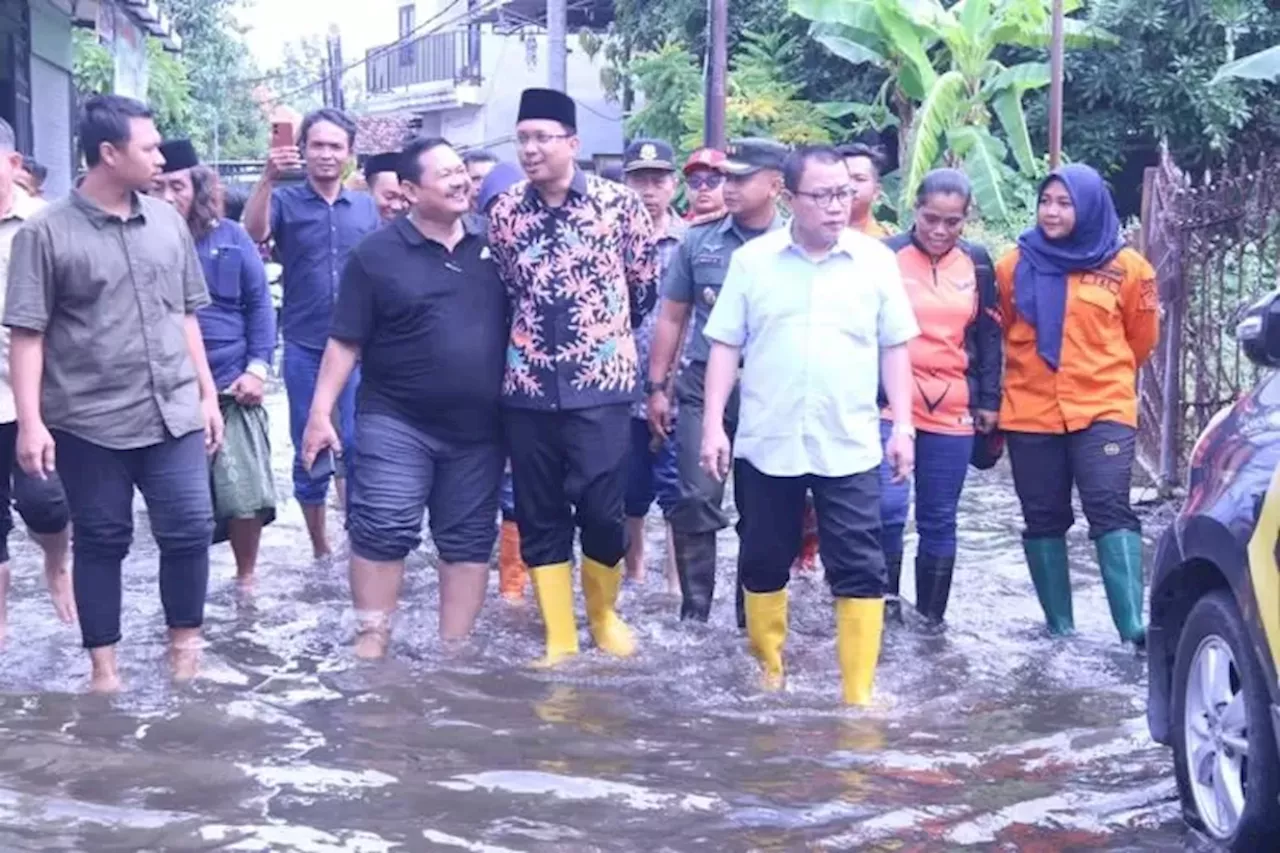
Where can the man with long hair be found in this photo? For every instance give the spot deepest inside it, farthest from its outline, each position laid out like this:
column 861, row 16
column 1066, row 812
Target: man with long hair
column 239, row 331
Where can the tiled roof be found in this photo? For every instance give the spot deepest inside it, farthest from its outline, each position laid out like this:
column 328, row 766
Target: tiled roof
column 376, row 134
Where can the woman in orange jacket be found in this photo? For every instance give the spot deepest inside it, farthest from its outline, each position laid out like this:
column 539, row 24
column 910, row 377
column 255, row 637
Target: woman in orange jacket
column 1080, row 314
column 955, row 363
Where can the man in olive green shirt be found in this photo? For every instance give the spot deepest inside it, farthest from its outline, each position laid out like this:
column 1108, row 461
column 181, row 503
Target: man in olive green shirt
column 107, row 361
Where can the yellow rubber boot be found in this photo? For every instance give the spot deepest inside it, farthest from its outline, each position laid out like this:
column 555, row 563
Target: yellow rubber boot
column 513, row 577
column 859, row 627
column 767, row 631
column 554, row 587
column 600, row 588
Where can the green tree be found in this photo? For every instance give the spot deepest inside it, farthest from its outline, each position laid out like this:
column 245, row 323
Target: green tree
column 225, row 121
column 948, row 83
column 761, row 100
column 1159, row 85
column 168, row 91
column 645, row 26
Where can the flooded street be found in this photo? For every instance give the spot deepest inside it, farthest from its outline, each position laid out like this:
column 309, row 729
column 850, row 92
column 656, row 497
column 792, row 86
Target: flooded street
column 990, row 737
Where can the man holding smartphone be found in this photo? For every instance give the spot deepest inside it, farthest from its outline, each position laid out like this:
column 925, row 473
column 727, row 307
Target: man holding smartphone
column 315, row 226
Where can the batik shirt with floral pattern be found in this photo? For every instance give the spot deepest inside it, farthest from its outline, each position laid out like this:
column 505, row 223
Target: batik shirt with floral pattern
column 667, row 245
column 580, row 278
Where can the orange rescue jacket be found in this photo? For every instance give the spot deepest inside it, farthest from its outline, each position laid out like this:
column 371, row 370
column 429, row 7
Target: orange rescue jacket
column 955, row 360
column 1109, row 329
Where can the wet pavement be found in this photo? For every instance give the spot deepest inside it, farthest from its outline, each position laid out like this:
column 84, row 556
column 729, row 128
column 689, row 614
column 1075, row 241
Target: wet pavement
column 990, row 737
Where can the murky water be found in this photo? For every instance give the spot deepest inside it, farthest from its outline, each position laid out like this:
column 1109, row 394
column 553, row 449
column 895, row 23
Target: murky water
column 991, row 737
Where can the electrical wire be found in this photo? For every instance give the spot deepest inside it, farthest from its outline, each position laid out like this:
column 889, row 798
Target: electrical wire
column 412, row 35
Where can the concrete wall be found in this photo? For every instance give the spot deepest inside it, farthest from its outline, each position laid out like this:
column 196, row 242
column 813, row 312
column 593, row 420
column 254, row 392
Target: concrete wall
column 51, row 95
column 510, row 66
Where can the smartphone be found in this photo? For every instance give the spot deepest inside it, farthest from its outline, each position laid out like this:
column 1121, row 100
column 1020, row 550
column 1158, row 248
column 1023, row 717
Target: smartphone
column 282, row 134
column 323, row 467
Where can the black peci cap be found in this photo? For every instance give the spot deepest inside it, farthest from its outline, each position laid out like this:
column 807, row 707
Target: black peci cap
column 178, row 154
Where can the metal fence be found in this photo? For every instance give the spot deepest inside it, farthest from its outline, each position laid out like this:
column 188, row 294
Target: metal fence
column 1215, row 244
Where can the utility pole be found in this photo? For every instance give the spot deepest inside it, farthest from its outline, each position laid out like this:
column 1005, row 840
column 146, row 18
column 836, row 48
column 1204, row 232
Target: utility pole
column 1057, row 48
column 557, row 44
column 334, row 44
column 717, row 70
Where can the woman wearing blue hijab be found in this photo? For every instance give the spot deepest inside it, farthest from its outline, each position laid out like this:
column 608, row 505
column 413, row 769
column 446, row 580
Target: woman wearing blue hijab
column 1081, row 315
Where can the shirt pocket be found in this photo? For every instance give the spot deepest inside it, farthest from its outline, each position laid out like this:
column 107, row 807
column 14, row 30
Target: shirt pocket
column 225, row 284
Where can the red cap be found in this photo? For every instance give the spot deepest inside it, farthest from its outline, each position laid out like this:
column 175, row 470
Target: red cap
column 704, row 158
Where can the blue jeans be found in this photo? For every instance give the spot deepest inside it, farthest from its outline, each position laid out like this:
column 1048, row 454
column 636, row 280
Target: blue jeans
column 401, row 470
column 301, row 370
column 651, row 474
column 941, row 464
column 173, row 477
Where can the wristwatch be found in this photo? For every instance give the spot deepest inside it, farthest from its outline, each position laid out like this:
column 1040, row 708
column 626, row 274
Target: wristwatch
column 905, row 429
column 651, row 387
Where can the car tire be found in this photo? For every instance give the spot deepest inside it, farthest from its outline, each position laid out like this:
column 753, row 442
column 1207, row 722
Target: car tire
column 1215, row 618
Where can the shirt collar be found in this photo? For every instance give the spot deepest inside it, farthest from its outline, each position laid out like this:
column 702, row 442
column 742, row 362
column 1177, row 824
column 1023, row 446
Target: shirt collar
column 676, row 227
column 730, row 224
column 343, row 196
column 845, row 245
column 99, row 217
column 577, row 186
column 22, row 207
column 411, row 235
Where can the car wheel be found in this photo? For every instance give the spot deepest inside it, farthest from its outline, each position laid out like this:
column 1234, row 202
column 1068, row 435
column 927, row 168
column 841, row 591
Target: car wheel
column 1224, row 748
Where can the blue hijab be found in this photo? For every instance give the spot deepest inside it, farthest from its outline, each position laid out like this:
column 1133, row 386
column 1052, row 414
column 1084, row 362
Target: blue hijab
column 1040, row 279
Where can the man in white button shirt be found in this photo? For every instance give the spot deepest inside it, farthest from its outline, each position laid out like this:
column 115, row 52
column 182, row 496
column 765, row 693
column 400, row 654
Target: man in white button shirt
column 821, row 315
column 41, row 503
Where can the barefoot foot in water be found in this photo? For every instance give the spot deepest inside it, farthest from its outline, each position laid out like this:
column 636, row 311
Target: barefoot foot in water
column 184, row 653
column 105, row 677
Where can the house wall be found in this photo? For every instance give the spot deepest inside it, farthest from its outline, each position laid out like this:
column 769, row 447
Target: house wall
column 52, row 96
column 508, row 60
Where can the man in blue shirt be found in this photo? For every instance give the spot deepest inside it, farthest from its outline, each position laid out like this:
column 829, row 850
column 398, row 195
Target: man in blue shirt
column 315, row 226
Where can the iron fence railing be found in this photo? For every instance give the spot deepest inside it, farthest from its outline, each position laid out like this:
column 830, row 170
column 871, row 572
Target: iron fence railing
column 434, row 58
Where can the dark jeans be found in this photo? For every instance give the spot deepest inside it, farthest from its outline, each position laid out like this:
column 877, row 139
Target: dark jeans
column 173, row 477
column 41, row 503
column 700, row 505
column 652, row 473
column 1098, row 460
column 300, row 370
column 941, row 464
column 400, row 470
column 570, row 466
column 771, row 527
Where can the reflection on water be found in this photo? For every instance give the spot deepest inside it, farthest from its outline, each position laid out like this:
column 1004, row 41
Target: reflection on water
column 989, row 737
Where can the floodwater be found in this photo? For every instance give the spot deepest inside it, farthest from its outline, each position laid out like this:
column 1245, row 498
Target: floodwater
column 990, row 737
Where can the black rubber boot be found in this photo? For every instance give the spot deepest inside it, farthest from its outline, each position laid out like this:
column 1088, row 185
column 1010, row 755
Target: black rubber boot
column 893, row 604
column 696, row 568
column 933, row 586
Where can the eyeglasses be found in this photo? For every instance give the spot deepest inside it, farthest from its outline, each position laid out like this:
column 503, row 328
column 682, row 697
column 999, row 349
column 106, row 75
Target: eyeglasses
column 541, row 140
column 823, row 198
column 704, row 180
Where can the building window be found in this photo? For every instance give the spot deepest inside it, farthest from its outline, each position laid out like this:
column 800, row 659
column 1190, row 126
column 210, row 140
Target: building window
column 408, row 23
column 408, row 15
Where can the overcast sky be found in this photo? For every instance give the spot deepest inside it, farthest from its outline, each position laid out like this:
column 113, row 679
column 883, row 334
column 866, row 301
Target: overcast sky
column 363, row 23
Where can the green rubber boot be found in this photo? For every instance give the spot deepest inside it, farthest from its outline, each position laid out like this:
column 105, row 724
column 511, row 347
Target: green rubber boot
column 1047, row 560
column 1120, row 559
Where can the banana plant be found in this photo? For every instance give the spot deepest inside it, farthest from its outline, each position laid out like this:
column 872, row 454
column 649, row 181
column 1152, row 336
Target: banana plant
column 943, row 69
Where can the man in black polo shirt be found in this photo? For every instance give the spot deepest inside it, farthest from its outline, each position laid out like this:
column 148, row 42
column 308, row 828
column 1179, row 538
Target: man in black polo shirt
column 421, row 307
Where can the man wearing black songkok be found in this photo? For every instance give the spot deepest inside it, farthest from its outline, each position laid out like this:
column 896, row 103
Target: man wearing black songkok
column 380, row 176
column 578, row 257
